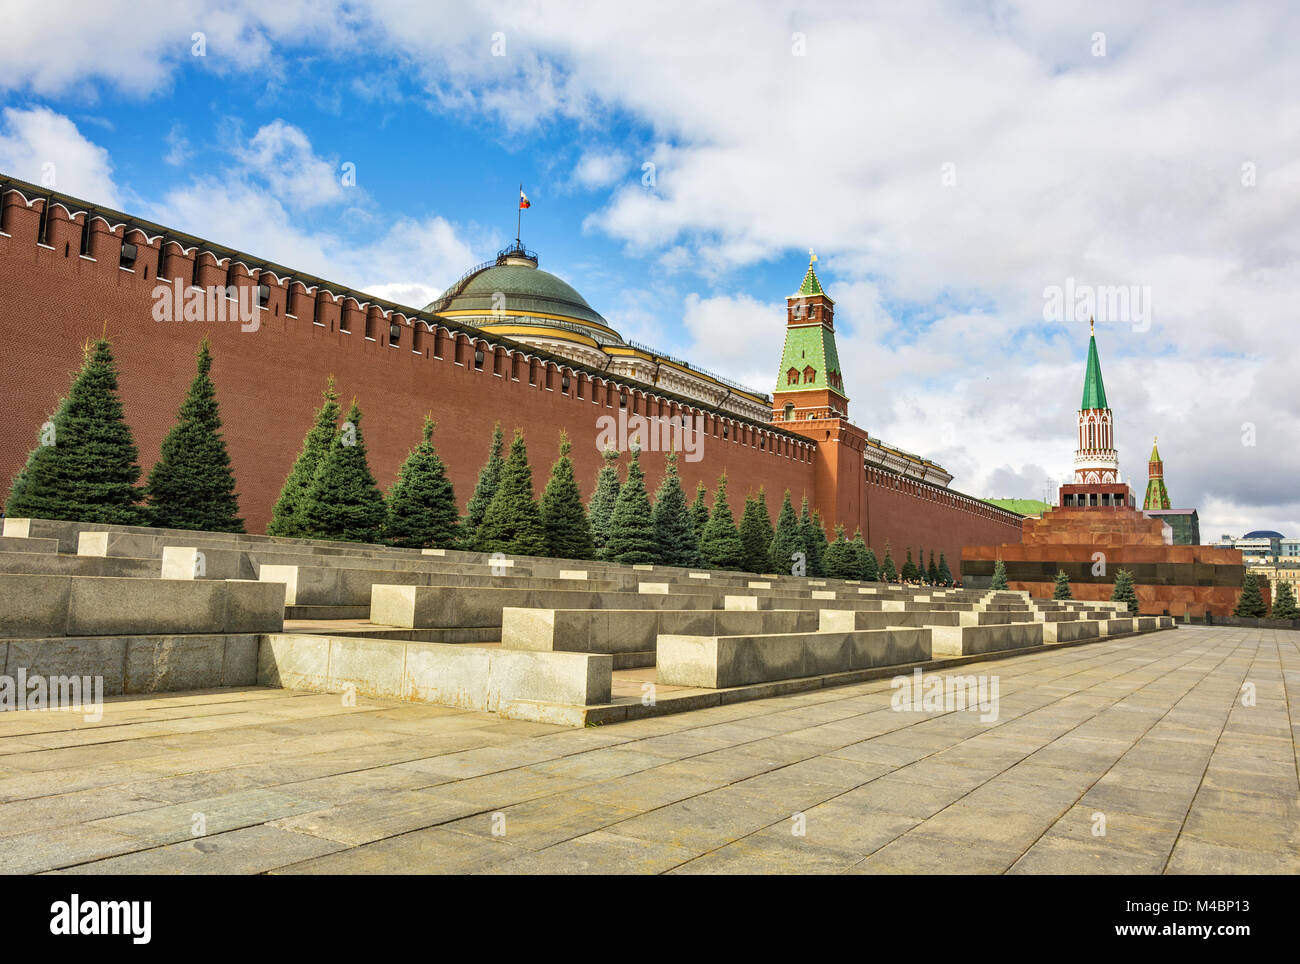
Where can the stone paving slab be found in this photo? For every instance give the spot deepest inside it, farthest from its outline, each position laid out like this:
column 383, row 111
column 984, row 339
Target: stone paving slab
column 1128, row 756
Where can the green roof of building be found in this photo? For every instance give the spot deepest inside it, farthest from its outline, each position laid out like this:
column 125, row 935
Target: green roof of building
column 1094, row 390
column 1032, row 507
column 521, row 288
column 1155, row 453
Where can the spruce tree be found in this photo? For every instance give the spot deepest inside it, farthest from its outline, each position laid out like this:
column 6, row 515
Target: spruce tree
column 489, row 477
column 568, row 531
column 909, row 573
column 89, row 472
column 1284, row 602
column 513, row 522
column 945, row 574
column 601, row 505
column 344, row 502
column 632, row 538
column 841, row 561
column 700, row 510
column 193, row 486
column 1251, row 601
column 755, row 535
column 819, row 544
column 932, row 571
column 999, row 575
column 888, row 572
column 813, row 538
column 22, row 501
column 720, row 545
column 422, row 512
column 788, row 538
column 868, row 567
column 1124, row 591
column 1062, row 590
column 286, row 517
column 674, row 529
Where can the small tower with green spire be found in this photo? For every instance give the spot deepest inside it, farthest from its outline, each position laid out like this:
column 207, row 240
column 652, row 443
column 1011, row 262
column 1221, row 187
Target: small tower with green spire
column 809, row 384
column 1096, row 462
column 1157, row 494
column 1096, row 482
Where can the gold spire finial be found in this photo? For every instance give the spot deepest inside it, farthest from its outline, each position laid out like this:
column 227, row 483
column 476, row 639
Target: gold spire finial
column 811, row 256
column 1092, row 330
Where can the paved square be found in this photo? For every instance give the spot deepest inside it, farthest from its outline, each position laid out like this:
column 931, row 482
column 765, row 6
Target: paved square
column 1174, row 752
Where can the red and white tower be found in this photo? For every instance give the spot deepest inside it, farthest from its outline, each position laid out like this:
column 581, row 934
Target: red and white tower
column 1096, row 461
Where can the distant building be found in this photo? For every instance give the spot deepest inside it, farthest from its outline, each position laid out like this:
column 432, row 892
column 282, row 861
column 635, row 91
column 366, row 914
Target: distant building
column 1259, row 546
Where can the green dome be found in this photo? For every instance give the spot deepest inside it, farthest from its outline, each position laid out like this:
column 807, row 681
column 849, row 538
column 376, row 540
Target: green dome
column 531, row 296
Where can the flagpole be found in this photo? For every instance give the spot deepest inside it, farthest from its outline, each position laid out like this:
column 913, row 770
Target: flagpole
column 519, row 217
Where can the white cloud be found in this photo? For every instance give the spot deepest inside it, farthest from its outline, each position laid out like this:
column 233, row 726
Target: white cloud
column 178, row 146
column 46, row 148
column 600, row 169
column 281, row 155
column 400, row 264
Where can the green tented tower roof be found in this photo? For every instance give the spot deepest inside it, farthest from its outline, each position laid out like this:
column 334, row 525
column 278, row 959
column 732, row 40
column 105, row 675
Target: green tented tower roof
column 810, row 285
column 809, row 346
column 1094, row 390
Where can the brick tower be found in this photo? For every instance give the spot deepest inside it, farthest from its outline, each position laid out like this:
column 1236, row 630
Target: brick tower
column 809, row 399
column 1097, row 482
column 809, row 385
column 1157, row 494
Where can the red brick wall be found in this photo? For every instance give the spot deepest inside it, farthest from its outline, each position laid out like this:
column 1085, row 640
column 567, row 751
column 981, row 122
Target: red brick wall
column 910, row 513
column 269, row 383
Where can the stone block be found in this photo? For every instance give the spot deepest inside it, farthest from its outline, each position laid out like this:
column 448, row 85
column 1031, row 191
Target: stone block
column 92, row 544
column 182, row 662
column 967, row 640
column 374, row 667
column 567, row 678
column 17, row 528
column 1068, row 632
column 447, row 674
column 284, row 574
column 111, row 607
column 294, row 661
column 715, row 662
column 102, row 656
column 32, row 545
column 183, row 562
column 34, row 605
column 253, row 606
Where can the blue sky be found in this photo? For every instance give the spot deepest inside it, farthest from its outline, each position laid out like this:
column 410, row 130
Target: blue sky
column 951, row 164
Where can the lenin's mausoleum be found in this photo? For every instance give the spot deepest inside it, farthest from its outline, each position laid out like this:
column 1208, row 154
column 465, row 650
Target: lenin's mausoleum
column 1096, row 529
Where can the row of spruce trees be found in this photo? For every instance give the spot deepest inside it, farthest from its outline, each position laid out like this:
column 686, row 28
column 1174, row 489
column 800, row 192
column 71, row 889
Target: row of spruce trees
column 1251, row 601
column 86, row 467
column 1123, row 590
